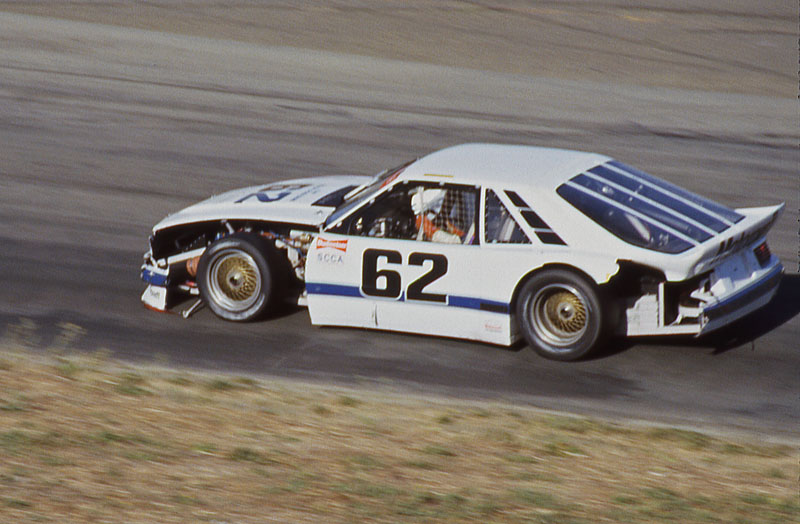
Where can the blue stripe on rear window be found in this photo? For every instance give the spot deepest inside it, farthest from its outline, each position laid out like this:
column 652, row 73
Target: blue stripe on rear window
column 658, row 195
column 621, row 223
column 718, row 209
column 637, row 204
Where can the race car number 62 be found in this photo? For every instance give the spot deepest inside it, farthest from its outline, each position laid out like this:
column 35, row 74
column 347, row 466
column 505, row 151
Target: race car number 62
column 392, row 283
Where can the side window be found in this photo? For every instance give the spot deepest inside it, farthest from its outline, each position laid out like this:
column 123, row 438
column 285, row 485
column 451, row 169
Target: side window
column 501, row 228
column 445, row 214
column 421, row 212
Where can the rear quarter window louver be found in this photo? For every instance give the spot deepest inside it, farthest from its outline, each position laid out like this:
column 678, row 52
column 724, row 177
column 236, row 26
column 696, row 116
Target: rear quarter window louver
column 544, row 232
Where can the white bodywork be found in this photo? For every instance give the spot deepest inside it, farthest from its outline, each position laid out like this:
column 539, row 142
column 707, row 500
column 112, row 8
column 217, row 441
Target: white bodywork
column 476, row 301
column 467, row 289
column 288, row 201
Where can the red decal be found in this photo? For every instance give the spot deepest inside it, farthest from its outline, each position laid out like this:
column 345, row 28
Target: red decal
column 323, row 243
column 391, row 177
column 492, row 328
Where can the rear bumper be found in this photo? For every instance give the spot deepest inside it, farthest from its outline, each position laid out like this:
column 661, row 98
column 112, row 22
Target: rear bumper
column 743, row 302
column 732, row 291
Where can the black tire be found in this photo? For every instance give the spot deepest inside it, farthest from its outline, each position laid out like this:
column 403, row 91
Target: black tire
column 238, row 277
column 560, row 314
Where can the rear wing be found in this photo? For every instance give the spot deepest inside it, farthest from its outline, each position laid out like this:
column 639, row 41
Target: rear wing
column 754, row 228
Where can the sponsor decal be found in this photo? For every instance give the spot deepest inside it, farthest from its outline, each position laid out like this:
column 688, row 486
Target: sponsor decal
column 155, row 297
column 492, row 328
column 324, row 243
column 156, row 293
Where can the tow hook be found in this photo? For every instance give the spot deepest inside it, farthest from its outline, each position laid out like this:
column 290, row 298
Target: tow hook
column 194, row 308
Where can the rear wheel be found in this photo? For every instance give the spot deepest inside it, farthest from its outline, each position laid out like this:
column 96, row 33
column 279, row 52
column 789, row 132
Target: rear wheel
column 236, row 277
column 560, row 315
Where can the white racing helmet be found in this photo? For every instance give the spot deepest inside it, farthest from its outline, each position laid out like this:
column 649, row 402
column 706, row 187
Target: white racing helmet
column 427, row 200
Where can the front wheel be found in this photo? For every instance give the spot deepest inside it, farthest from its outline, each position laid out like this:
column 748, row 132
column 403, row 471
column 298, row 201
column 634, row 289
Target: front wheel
column 235, row 277
column 560, row 315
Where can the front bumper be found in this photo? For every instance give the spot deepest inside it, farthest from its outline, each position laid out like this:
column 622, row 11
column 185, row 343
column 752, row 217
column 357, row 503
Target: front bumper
column 166, row 280
column 156, row 295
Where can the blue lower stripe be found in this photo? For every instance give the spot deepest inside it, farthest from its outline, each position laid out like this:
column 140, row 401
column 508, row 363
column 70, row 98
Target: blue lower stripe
column 317, row 288
column 465, row 302
column 477, row 303
column 332, row 289
column 156, row 279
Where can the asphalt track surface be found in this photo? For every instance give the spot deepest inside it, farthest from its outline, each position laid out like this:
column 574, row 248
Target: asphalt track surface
column 104, row 130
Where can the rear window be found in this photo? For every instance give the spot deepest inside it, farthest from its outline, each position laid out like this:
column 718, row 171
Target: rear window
column 646, row 211
column 709, row 208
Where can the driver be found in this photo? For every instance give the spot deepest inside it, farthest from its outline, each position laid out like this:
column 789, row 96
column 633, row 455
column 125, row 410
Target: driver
column 427, row 204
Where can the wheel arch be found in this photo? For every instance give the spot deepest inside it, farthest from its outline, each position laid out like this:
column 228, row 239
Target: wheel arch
column 191, row 235
column 547, row 267
column 625, row 281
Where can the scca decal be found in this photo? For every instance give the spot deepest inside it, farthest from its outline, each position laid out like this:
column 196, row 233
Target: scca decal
column 330, row 258
column 392, row 284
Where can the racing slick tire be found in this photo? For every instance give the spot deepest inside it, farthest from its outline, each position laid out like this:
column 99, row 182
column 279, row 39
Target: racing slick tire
column 238, row 277
column 560, row 315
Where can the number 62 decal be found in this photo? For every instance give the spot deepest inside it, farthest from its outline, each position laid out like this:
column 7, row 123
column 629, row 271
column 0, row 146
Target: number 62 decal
column 392, row 286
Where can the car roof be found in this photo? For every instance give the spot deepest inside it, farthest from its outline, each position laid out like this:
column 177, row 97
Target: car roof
column 502, row 164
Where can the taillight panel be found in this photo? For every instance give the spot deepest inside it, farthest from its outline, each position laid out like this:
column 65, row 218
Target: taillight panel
column 762, row 253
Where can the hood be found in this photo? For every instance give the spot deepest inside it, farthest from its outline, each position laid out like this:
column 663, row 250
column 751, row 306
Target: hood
column 306, row 201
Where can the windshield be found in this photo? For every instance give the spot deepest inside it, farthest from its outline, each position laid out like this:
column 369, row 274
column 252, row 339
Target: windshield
column 366, row 192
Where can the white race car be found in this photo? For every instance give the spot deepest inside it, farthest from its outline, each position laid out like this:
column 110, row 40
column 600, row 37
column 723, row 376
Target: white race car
column 477, row 241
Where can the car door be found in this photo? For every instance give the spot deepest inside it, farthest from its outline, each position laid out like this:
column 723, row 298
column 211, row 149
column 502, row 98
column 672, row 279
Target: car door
column 410, row 261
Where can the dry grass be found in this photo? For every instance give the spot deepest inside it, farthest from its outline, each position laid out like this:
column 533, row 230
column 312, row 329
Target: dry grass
column 87, row 439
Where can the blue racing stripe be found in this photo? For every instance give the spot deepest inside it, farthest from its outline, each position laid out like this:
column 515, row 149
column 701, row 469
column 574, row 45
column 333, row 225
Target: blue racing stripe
column 332, row 289
column 477, row 303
